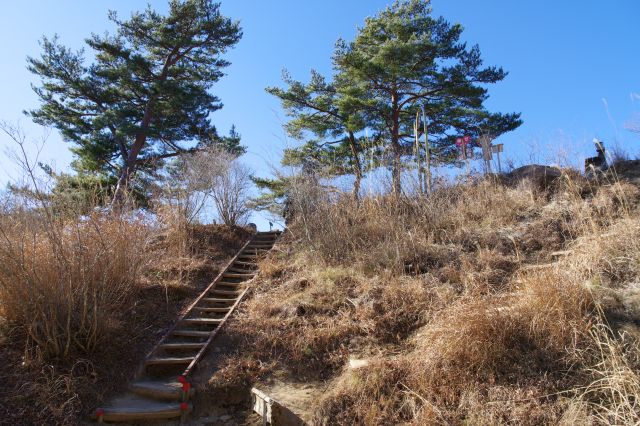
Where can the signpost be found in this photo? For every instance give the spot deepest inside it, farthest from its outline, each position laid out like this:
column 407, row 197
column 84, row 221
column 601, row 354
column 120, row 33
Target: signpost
column 416, row 149
column 497, row 149
column 463, row 144
column 485, row 142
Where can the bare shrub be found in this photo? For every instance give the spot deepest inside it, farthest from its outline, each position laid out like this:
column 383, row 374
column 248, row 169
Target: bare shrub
column 212, row 174
column 230, row 194
column 62, row 281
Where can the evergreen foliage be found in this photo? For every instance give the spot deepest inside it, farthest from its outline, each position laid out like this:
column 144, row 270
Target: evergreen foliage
column 145, row 96
column 401, row 61
column 329, row 124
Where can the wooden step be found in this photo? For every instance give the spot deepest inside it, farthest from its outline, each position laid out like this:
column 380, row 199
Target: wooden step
column 239, row 262
column 226, row 292
column 216, row 300
column 191, row 333
column 202, row 321
column 136, row 408
column 164, row 390
column 212, row 309
column 223, row 283
column 259, row 246
column 180, row 346
column 169, row 361
column 249, row 256
column 240, row 270
column 237, row 275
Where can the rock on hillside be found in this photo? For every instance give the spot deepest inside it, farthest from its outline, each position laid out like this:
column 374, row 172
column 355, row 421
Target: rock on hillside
column 628, row 170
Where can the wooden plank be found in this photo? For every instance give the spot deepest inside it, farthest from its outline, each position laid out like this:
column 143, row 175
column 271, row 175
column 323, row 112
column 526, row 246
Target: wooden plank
column 169, row 360
column 190, row 333
column 204, row 321
column 225, row 292
column 241, row 270
column 272, row 411
column 211, row 309
column 249, row 256
column 180, row 346
column 237, row 275
column 217, row 300
column 164, row 390
column 231, row 284
column 136, row 408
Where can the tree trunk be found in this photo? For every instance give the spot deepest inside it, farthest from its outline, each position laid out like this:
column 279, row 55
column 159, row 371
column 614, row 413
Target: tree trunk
column 396, row 167
column 427, row 150
column 121, row 188
column 141, row 137
column 357, row 166
column 416, row 148
column 130, row 162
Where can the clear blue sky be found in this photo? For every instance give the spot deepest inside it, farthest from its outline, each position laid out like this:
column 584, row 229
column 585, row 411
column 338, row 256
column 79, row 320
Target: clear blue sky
column 574, row 66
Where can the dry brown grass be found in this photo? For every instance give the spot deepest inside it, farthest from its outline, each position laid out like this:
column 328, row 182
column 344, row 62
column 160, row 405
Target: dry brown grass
column 68, row 289
column 64, row 282
column 456, row 300
column 83, row 299
column 469, row 355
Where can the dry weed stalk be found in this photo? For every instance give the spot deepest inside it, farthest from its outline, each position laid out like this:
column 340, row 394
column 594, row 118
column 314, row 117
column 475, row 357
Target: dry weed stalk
column 612, row 395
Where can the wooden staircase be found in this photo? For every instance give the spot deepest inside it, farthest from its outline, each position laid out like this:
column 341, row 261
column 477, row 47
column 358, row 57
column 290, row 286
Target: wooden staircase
column 161, row 389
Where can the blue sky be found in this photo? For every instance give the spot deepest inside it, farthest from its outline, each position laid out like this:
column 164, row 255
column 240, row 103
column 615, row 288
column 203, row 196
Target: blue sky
column 574, row 66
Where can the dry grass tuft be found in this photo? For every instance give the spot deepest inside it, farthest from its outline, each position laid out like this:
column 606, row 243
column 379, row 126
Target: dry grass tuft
column 64, row 283
column 613, row 365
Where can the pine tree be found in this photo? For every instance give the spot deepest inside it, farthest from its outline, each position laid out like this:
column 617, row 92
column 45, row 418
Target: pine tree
column 328, row 125
column 145, row 96
column 402, row 60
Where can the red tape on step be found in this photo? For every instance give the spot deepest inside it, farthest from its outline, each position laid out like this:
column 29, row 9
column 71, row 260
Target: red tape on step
column 182, row 379
column 186, row 387
column 184, row 406
column 99, row 412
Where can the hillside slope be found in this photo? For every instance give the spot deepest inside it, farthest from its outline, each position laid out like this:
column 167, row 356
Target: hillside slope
column 481, row 304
